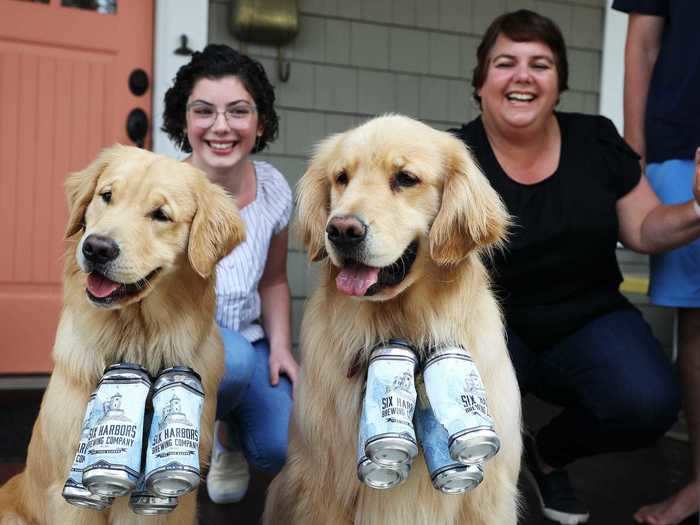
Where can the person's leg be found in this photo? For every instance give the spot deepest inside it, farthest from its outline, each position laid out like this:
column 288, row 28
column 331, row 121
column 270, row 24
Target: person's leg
column 228, row 476
column 558, row 500
column 618, row 393
column 263, row 415
column 686, row 501
column 616, row 385
column 675, row 282
column 239, row 359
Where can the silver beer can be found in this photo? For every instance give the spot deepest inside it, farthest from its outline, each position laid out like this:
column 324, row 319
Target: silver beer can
column 390, row 398
column 374, row 475
column 447, row 475
column 458, row 398
column 144, row 501
column 74, row 491
column 114, row 447
column 172, row 456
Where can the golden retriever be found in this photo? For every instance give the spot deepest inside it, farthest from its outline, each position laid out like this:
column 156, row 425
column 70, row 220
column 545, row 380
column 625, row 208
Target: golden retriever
column 400, row 215
column 147, row 298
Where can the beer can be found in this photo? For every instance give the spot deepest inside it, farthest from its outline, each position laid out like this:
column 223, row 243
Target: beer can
column 458, row 399
column 390, row 398
column 374, row 475
column 114, row 447
column 74, row 491
column 447, row 475
column 144, row 501
column 172, row 456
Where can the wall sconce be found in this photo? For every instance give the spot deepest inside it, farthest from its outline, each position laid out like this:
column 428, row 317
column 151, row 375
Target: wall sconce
column 268, row 22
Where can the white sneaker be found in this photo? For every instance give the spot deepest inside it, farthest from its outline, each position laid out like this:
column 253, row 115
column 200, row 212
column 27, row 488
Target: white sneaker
column 228, row 477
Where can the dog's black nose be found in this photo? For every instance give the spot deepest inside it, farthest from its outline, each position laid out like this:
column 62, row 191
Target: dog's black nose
column 99, row 249
column 346, row 231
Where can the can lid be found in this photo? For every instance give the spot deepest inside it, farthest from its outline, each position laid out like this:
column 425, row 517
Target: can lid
column 126, row 366
column 181, row 369
column 445, row 347
column 395, row 341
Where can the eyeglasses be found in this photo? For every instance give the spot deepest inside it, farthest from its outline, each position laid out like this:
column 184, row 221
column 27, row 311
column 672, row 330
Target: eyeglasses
column 204, row 115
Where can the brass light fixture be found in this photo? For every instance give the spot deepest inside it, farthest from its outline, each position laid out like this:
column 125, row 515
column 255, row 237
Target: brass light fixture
column 268, row 22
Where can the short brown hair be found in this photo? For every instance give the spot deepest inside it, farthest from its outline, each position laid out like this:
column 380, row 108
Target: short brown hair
column 521, row 26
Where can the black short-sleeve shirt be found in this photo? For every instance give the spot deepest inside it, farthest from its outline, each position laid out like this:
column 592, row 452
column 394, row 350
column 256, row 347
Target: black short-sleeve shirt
column 672, row 117
column 559, row 269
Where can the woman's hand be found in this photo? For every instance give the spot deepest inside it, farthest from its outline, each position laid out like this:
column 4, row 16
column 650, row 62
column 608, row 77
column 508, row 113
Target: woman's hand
column 283, row 362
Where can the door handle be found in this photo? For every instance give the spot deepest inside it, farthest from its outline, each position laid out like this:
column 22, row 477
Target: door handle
column 137, row 126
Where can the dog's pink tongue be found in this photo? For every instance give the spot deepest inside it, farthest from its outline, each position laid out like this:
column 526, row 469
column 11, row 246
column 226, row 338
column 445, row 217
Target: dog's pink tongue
column 100, row 286
column 356, row 279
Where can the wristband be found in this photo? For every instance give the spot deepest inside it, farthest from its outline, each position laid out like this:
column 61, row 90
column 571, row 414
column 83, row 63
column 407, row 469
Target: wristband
column 696, row 207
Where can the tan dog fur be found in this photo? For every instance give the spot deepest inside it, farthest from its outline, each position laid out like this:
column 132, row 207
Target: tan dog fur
column 170, row 322
column 455, row 215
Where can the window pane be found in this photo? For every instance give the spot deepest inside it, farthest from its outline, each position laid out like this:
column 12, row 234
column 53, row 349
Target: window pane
column 108, row 7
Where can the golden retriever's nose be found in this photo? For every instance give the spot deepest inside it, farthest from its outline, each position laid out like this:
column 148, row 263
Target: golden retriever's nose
column 346, row 231
column 99, row 249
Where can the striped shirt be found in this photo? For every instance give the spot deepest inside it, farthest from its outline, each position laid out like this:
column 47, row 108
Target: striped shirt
column 238, row 274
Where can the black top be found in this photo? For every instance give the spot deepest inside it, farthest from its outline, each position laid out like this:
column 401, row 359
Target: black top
column 671, row 123
column 559, row 270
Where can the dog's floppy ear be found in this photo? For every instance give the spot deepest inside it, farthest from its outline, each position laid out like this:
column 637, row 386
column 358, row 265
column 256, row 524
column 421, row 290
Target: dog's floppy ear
column 472, row 215
column 314, row 200
column 80, row 187
column 217, row 228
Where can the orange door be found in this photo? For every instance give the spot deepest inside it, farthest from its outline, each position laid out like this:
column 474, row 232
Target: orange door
column 65, row 93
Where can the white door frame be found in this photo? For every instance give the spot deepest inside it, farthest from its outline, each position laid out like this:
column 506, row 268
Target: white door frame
column 173, row 18
column 613, row 66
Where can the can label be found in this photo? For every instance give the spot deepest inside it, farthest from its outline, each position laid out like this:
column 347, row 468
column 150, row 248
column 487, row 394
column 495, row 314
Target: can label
column 432, row 436
column 173, row 442
column 114, row 442
column 456, row 392
column 390, row 397
column 75, row 475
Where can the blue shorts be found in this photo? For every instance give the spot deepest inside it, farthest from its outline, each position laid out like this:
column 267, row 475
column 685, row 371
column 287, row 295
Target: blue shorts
column 675, row 275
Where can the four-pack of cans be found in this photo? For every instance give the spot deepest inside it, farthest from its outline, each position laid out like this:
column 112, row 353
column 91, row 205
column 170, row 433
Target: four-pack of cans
column 440, row 406
column 121, row 453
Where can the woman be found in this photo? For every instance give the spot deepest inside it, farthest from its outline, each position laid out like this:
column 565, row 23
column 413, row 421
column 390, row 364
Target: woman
column 574, row 188
column 221, row 110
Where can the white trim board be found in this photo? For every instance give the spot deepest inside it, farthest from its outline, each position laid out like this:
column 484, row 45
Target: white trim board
column 612, row 74
column 172, row 19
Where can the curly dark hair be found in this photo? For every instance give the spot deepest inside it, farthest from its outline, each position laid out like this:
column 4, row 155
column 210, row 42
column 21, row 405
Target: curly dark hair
column 521, row 26
column 214, row 62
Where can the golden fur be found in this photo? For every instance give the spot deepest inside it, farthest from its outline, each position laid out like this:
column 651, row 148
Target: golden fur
column 170, row 322
column 455, row 216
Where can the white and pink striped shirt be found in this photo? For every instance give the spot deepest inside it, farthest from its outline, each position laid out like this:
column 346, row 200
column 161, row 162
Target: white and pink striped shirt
column 238, row 274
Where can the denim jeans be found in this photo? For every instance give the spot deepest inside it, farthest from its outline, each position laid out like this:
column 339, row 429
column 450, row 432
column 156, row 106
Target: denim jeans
column 616, row 387
column 257, row 412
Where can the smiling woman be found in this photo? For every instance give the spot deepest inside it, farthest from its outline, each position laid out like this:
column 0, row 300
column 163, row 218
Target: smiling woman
column 574, row 188
column 221, row 109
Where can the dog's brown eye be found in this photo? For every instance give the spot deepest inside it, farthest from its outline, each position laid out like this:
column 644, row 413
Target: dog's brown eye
column 106, row 196
column 403, row 179
column 342, row 178
column 159, row 215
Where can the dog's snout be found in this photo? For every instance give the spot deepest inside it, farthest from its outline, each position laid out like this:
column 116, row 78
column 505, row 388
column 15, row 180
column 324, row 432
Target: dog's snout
column 99, row 249
column 346, row 230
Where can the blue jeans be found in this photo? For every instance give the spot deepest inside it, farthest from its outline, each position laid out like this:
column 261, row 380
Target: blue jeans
column 616, row 387
column 257, row 412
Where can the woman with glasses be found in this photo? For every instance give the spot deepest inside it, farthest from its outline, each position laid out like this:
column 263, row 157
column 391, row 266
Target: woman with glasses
column 220, row 109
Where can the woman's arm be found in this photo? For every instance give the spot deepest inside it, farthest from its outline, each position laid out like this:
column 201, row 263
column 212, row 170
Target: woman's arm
column 647, row 226
column 276, row 310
